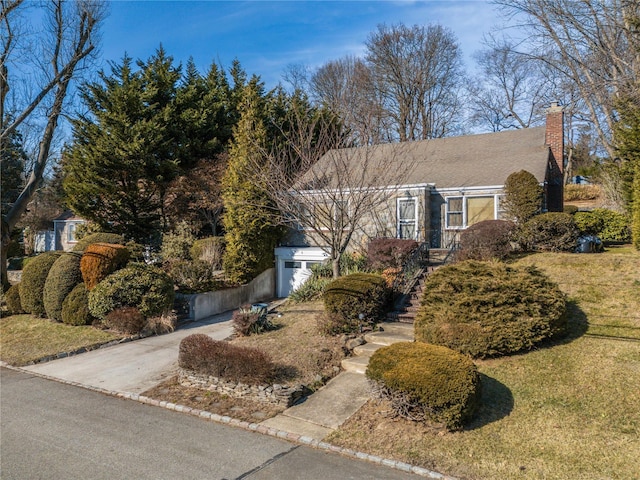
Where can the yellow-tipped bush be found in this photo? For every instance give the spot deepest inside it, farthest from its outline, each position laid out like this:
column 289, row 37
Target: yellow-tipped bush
column 101, row 259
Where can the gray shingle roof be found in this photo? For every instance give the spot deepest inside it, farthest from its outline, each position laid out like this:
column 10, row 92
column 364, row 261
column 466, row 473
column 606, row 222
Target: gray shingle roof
column 466, row 161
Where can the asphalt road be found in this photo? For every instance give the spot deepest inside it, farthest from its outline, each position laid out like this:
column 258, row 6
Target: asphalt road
column 53, row 430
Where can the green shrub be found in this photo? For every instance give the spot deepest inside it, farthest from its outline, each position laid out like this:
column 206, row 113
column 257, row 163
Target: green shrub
column 12, row 298
column 385, row 253
column 138, row 285
column 360, row 293
column 177, row 243
column 610, row 226
column 312, row 289
column 127, row 320
column 192, row 276
column 487, row 309
column 210, row 250
column 101, row 259
column 570, row 209
column 202, row 354
column 247, row 320
column 486, row 240
column 426, row 382
column 99, row 237
column 522, row 196
column 34, row 276
column 550, row 232
column 75, row 308
column 63, row 277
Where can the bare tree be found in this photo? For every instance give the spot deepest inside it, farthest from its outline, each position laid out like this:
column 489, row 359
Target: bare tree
column 593, row 43
column 338, row 190
column 67, row 40
column 417, row 72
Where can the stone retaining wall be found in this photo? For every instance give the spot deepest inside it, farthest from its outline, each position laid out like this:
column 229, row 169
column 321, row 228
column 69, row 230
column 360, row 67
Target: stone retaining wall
column 281, row 395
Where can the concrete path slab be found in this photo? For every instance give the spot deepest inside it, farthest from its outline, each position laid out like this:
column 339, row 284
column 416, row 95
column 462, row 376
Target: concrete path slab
column 133, row 366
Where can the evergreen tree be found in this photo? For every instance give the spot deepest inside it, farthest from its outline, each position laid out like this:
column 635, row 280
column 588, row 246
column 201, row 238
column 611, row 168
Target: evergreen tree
column 12, row 163
column 251, row 229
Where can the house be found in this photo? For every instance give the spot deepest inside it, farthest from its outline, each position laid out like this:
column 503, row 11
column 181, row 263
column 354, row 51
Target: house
column 63, row 235
column 453, row 183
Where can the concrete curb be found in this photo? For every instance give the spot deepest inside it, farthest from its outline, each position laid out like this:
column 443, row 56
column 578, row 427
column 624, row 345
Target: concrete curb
column 253, row 427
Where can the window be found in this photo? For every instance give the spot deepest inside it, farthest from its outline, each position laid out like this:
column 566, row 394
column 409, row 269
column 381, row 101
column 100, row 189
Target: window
column 71, row 232
column 462, row 212
column 455, row 214
column 292, row 264
column 407, row 209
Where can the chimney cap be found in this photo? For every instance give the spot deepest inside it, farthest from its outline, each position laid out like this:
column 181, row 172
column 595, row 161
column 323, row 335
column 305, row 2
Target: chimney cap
column 555, row 107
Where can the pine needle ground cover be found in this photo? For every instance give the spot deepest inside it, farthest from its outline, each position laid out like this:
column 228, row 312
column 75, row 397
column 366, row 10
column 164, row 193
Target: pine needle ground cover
column 25, row 338
column 568, row 410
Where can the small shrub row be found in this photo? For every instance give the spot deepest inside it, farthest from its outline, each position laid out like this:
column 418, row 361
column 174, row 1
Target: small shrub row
column 385, row 253
column 426, row 383
column 581, row 192
column 486, row 309
column 204, row 355
column 357, row 294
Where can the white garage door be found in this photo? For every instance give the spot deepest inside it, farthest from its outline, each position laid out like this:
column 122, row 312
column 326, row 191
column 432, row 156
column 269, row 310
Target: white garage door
column 294, row 267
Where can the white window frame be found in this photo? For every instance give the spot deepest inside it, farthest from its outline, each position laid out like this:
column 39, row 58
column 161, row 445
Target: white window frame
column 400, row 221
column 71, row 232
column 496, row 208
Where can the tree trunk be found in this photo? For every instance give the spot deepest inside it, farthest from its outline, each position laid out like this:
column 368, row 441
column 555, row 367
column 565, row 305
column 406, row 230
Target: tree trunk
column 335, row 264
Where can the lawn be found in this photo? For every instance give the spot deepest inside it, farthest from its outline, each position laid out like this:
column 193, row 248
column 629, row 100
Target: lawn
column 569, row 410
column 25, row 338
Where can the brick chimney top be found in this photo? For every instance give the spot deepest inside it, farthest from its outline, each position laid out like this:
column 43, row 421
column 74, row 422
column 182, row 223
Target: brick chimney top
column 554, row 139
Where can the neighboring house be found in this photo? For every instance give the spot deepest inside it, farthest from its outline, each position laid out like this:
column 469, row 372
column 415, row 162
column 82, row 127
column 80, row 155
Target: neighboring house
column 456, row 182
column 63, row 235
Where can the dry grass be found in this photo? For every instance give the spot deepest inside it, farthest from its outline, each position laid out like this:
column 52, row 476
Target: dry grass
column 570, row 410
column 25, row 339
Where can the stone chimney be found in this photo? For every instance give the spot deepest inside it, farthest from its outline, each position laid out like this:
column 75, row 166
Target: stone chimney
column 554, row 139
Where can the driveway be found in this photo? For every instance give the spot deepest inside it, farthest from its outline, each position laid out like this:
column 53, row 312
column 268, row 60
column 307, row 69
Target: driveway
column 132, row 366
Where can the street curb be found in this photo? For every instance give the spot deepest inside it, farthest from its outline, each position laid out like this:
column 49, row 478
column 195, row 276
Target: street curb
column 251, row 427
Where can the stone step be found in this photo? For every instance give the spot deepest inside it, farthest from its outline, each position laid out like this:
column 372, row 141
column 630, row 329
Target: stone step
column 355, row 364
column 367, row 349
column 388, row 338
column 395, row 327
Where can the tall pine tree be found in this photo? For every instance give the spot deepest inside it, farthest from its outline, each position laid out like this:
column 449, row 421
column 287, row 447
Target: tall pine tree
column 252, row 230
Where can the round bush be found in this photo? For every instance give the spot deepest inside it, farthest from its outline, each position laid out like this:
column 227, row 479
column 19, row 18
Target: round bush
column 355, row 294
column 34, row 276
column 138, row 285
column 100, row 237
column 486, row 240
column 100, row 260
column 486, row 309
column 12, row 298
column 426, row 382
column 550, row 232
column 75, row 308
column 63, row 277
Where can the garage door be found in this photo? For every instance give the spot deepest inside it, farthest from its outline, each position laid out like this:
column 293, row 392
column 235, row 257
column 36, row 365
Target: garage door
column 294, row 267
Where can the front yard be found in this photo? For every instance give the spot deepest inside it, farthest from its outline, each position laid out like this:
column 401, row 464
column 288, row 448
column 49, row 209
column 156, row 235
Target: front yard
column 568, row 410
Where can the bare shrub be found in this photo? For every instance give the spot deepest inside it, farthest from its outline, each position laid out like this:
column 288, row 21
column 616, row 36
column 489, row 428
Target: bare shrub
column 127, row 320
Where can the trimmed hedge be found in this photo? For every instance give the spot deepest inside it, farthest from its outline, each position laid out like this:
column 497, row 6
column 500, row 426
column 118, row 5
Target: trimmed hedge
column 138, row 285
column 34, row 276
column 12, row 298
column 488, row 309
column 101, row 259
column 204, row 355
column 486, row 240
column 63, row 277
column 99, row 237
column 610, row 226
column 426, row 382
column 549, row 232
column 75, row 308
column 355, row 294
column 522, row 196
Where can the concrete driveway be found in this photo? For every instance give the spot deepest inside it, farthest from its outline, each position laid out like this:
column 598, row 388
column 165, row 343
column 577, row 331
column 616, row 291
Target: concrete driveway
column 133, row 366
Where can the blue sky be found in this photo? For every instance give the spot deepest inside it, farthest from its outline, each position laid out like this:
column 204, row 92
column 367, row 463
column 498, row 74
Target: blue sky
column 268, row 36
